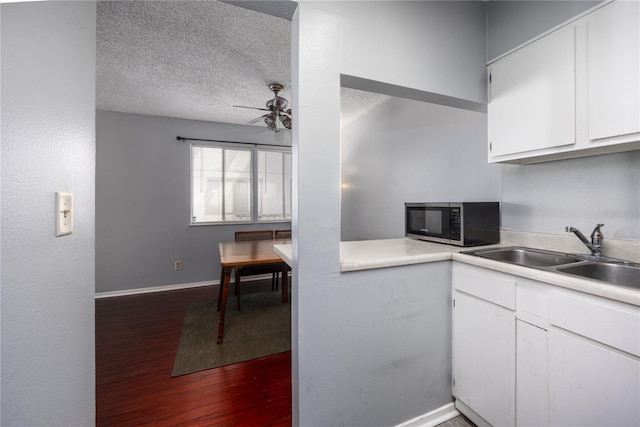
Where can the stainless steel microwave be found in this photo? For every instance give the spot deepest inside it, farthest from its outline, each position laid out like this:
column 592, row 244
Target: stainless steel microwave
column 461, row 224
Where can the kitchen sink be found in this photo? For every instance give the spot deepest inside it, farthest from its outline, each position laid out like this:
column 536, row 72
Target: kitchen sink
column 526, row 257
column 611, row 270
column 618, row 274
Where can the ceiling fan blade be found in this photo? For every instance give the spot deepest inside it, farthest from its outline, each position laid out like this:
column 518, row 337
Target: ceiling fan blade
column 253, row 108
column 257, row 119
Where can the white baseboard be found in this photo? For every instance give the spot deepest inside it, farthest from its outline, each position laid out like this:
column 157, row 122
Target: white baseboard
column 433, row 418
column 139, row 291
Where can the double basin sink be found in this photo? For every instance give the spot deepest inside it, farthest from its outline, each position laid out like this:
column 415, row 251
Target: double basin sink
column 610, row 270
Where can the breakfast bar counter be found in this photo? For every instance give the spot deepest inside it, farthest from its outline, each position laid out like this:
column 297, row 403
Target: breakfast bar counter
column 371, row 254
column 368, row 254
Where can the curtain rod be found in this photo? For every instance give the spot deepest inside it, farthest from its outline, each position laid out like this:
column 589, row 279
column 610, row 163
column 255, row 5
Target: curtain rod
column 180, row 138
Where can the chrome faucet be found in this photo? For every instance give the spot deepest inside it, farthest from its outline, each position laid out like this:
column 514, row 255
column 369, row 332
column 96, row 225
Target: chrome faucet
column 596, row 244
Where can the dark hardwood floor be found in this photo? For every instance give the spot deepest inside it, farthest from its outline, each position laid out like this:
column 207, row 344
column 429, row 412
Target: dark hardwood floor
column 136, row 342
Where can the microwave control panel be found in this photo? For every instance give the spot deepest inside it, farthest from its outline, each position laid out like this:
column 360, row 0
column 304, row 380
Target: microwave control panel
column 455, row 222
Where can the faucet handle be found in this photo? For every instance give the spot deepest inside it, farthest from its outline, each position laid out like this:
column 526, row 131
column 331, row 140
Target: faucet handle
column 596, row 234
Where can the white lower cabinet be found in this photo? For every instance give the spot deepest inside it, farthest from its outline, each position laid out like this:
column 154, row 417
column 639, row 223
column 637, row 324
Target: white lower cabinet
column 594, row 361
column 530, row 354
column 591, row 385
column 484, row 361
column 532, row 373
column 484, row 333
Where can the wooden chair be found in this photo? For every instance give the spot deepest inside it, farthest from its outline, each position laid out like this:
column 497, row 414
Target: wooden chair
column 245, row 236
column 253, row 270
column 283, row 234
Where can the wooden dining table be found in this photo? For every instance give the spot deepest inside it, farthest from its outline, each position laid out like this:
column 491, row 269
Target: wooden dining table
column 239, row 254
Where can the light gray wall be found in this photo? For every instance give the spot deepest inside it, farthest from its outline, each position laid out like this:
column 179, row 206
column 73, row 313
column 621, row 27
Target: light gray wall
column 580, row 192
column 511, row 23
column 381, row 350
column 379, row 41
column 143, row 201
column 410, row 151
column 48, row 119
column 434, row 46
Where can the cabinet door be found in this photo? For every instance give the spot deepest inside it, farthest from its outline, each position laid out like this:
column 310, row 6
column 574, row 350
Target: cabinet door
column 532, row 96
column 591, row 385
column 484, row 358
column 532, row 373
column 614, row 70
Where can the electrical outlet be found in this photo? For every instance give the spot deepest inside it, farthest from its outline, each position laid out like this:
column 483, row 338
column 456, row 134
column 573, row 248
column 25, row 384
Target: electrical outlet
column 177, row 265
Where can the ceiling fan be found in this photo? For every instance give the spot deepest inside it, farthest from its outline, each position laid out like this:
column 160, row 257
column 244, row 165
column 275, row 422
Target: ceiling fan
column 276, row 108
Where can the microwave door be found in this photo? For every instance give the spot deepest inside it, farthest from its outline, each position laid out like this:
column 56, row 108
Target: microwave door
column 433, row 223
column 429, row 222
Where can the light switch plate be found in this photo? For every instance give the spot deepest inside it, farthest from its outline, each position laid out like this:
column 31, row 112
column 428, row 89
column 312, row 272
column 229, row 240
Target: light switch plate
column 64, row 214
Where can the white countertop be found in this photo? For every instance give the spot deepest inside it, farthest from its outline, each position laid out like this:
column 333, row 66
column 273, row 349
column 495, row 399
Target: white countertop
column 284, row 252
column 369, row 254
column 589, row 286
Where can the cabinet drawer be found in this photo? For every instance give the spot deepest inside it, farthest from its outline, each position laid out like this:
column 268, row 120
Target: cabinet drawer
column 532, row 302
column 609, row 322
column 494, row 287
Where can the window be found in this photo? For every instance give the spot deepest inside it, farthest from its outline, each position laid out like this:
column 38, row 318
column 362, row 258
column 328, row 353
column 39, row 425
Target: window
column 223, row 179
column 274, row 185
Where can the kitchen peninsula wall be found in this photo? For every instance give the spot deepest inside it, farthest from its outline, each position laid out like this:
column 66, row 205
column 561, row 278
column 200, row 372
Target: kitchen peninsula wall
column 353, row 334
column 143, row 196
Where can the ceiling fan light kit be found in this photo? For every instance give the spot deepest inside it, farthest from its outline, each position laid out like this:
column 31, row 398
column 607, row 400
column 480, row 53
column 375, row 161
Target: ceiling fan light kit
column 276, row 110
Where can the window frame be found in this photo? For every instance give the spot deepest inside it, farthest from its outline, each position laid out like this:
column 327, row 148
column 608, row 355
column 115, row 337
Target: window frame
column 257, row 178
column 254, row 149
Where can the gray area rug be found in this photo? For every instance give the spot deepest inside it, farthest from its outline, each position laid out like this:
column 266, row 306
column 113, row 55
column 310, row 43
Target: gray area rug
column 262, row 328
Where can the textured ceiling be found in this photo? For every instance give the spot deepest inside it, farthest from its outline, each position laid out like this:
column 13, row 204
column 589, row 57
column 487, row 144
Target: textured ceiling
column 197, row 59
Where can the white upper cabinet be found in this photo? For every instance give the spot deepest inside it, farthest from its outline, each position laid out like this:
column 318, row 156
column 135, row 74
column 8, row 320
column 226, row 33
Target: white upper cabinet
column 614, row 70
column 573, row 92
column 532, row 96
